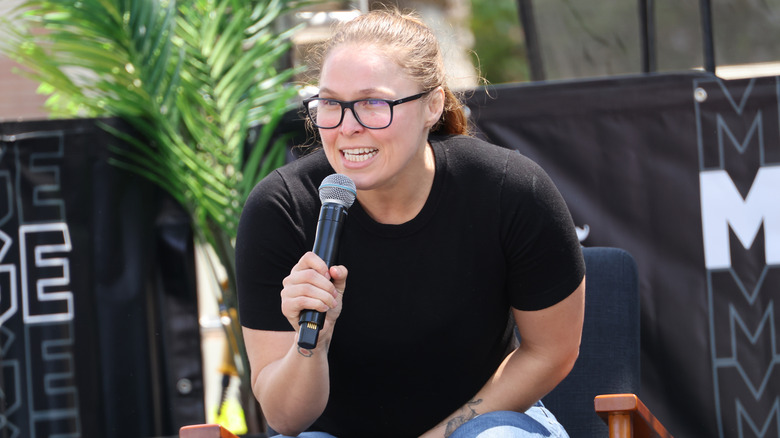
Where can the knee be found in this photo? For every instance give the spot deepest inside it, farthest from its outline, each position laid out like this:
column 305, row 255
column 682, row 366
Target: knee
column 501, row 424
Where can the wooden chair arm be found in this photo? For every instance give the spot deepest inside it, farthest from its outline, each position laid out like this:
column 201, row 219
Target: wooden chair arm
column 205, row 431
column 624, row 413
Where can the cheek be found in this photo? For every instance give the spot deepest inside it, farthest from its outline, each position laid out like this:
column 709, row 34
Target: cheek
column 328, row 140
column 327, row 136
column 408, row 129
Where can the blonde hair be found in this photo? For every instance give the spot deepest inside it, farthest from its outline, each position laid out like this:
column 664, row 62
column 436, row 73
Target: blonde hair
column 412, row 44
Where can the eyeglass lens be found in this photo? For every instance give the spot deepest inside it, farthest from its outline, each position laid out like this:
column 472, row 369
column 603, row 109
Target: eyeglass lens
column 371, row 113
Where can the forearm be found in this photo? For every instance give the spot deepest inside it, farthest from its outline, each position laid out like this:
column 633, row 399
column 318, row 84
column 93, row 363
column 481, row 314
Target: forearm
column 550, row 346
column 294, row 390
column 292, row 384
column 523, row 378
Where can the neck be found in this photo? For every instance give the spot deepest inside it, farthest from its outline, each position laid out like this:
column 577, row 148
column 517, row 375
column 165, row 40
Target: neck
column 405, row 197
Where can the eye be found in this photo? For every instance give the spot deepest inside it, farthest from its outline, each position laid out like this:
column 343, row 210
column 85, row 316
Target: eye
column 329, row 103
column 373, row 103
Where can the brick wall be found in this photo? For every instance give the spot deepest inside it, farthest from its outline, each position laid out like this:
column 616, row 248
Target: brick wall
column 18, row 97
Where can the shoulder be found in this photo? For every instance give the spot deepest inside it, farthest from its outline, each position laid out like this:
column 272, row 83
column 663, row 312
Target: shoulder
column 473, row 157
column 463, row 147
column 296, row 180
column 286, row 194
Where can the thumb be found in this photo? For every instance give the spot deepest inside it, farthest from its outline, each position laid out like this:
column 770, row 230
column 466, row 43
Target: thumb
column 338, row 275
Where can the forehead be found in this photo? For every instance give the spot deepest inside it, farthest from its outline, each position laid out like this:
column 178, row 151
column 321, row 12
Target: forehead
column 353, row 67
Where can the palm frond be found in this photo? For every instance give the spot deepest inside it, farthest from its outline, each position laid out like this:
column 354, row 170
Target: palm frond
column 190, row 77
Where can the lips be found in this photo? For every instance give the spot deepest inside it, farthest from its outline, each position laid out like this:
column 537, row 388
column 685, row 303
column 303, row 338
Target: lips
column 359, row 154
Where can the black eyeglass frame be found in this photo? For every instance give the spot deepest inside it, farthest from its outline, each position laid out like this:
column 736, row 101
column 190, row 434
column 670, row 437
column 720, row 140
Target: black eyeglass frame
column 351, row 106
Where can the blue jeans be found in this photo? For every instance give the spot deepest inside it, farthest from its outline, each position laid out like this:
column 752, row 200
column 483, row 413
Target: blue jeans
column 536, row 422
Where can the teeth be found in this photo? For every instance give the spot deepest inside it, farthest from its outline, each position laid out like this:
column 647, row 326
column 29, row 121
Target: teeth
column 359, row 154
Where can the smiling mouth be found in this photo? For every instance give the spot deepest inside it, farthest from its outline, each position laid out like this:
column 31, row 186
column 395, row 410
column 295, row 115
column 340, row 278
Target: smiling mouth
column 360, row 154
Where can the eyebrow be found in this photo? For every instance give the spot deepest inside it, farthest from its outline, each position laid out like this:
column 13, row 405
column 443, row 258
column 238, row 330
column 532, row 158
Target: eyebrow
column 364, row 92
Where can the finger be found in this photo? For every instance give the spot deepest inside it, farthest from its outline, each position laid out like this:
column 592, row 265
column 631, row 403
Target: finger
column 339, row 278
column 311, row 285
column 298, row 281
column 294, row 306
column 312, row 261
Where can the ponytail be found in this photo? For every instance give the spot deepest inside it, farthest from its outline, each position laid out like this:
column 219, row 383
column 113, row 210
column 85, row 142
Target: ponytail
column 453, row 119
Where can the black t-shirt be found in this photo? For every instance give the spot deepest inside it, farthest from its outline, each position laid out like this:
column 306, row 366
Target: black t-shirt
column 424, row 320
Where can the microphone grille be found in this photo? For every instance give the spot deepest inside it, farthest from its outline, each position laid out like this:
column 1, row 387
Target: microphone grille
column 338, row 188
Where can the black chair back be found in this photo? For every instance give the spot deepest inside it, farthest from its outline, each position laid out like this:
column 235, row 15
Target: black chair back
column 609, row 353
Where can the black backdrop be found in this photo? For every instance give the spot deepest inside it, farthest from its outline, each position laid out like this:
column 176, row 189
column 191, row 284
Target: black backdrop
column 651, row 164
column 643, row 162
column 98, row 313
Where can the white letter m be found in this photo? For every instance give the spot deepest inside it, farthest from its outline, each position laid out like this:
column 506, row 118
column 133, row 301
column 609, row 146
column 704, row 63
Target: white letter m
column 722, row 206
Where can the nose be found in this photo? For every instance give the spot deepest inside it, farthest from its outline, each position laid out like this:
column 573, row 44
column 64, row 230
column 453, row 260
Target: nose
column 349, row 123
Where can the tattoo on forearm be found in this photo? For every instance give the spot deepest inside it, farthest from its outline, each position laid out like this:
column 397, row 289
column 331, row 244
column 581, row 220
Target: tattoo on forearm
column 304, row 352
column 464, row 414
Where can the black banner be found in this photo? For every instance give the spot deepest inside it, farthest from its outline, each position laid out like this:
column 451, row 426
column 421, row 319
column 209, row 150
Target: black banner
column 683, row 171
column 99, row 332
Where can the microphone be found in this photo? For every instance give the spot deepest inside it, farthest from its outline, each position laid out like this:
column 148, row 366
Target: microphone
column 337, row 194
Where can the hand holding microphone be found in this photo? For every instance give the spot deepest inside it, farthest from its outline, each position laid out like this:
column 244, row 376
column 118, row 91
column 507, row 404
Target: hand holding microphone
column 337, row 194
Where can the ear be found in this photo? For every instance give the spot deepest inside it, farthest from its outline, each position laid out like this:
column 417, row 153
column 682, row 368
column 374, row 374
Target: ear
column 434, row 107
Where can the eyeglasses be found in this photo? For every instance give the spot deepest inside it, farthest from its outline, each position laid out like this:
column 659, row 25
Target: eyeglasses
column 370, row 113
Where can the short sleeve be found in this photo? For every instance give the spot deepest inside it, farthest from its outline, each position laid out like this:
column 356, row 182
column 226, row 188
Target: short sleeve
column 544, row 256
column 268, row 244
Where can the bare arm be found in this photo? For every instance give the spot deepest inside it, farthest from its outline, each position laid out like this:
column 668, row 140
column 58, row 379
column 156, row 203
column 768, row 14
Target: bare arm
column 292, row 384
column 549, row 348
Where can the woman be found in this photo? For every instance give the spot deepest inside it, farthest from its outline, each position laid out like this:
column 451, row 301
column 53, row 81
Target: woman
column 449, row 240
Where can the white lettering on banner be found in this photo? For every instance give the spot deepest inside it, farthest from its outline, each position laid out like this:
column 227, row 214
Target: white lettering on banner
column 40, row 397
column 7, row 288
column 41, row 260
column 738, row 130
column 722, row 207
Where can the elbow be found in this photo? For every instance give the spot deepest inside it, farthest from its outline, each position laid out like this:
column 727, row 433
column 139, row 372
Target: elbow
column 571, row 359
column 284, row 429
column 280, row 421
column 287, row 415
column 283, row 424
column 567, row 361
column 277, row 417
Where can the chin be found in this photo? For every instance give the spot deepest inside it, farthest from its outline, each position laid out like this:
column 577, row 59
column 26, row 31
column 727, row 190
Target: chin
column 362, row 182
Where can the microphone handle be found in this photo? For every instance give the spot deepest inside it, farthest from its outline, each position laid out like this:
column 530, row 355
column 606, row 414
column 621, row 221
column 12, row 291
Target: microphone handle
column 326, row 242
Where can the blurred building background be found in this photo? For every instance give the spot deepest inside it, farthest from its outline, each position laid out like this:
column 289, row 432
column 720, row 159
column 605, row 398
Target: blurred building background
column 511, row 41
column 19, row 98
column 450, row 19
